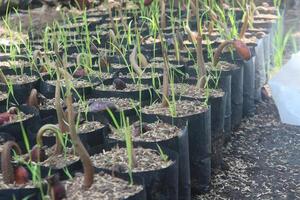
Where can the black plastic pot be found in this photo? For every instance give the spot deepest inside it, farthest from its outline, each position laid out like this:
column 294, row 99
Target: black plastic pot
column 224, row 83
column 199, row 131
column 21, row 193
column 3, row 105
column 160, row 184
column 48, row 116
column 95, row 138
column 145, row 95
column 106, row 118
column 30, row 126
column 179, row 144
column 260, row 70
column 237, row 96
column 155, row 81
column 217, row 105
column 20, row 91
column 48, row 90
column 249, row 87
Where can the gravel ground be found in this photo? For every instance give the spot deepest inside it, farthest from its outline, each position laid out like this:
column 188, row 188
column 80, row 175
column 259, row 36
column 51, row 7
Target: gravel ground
column 263, row 159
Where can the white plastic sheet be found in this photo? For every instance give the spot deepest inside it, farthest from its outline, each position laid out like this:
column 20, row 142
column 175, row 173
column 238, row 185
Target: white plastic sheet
column 285, row 88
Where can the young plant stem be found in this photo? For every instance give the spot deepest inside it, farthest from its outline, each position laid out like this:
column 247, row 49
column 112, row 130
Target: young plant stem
column 122, row 18
column 58, row 142
column 59, row 111
column 113, row 26
column 78, row 146
column 163, row 18
column 6, row 165
column 240, row 47
column 219, row 50
column 200, row 63
column 143, row 60
column 165, row 102
column 133, row 61
column 192, row 35
column 198, row 17
column 245, row 25
column 2, row 77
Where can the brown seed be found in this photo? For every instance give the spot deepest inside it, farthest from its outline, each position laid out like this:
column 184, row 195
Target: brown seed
column 242, row 49
column 147, row 2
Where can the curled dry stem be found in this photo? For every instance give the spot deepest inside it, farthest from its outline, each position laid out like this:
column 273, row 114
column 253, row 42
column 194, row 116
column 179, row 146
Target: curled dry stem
column 200, row 63
column 165, row 102
column 240, row 47
column 6, row 165
column 219, row 51
column 63, row 126
column 58, row 143
column 245, row 25
column 163, row 18
column 78, row 146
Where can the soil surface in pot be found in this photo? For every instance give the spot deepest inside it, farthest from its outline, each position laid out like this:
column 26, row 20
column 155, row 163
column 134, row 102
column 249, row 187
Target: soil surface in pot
column 85, row 127
column 180, row 109
column 3, row 185
column 120, row 103
column 20, row 79
column 104, row 187
column 77, row 83
column 222, row 65
column 194, row 91
column 151, row 132
column 145, row 75
column 14, row 64
column 47, row 104
column 117, row 160
column 59, row 161
column 129, row 87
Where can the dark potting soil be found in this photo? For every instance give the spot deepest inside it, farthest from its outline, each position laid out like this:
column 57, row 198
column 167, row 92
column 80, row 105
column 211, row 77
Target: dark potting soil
column 47, row 104
column 14, row 64
column 85, row 127
column 77, row 83
column 158, row 131
column 104, row 187
column 117, row 160
column 222, row 65
column 194, row 91
column 129, row 87
column 59, row 161
column 100, row 75
column 144, row 75
column 120, row 103
column 183, row 108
